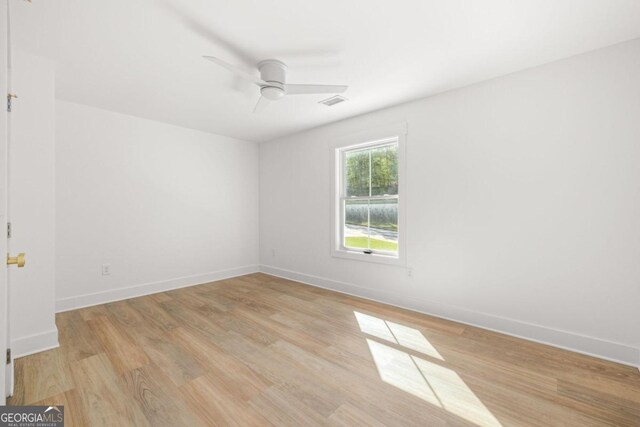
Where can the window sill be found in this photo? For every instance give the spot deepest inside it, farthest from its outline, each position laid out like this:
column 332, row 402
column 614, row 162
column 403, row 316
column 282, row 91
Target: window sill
column 375, row 258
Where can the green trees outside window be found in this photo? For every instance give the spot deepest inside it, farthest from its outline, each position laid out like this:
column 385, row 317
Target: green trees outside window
column 372, row 172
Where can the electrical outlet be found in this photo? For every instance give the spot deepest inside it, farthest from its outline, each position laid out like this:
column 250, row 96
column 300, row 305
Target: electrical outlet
column 106, row 269
column 409, row 272
column 273, row 252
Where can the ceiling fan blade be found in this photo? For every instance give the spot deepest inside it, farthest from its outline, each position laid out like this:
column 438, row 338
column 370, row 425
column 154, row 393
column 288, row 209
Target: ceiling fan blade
column 309, row 89
column 261, row 104
column 236, row 70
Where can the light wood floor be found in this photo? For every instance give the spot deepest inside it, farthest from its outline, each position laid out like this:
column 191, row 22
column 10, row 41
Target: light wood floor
column 259, row 350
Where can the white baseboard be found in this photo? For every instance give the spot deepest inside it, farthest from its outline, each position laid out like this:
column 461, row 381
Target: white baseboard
column 111, row 295
column 608, row 350
column 36, row 343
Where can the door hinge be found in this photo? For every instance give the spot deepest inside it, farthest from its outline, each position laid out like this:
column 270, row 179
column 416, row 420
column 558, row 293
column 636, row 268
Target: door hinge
column 8, row 230
column 8, row 356
column 10, row 97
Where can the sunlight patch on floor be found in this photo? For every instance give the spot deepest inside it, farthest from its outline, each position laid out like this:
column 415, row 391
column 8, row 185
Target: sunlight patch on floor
column 396, row 333
column 397, row 368
column 431, row 382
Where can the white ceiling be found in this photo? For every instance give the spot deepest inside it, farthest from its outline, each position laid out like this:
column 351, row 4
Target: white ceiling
column 143, row 57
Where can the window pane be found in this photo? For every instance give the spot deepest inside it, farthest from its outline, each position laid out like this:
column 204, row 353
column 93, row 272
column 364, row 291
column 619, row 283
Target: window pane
column 382, row 235
column 384, row 170
column 356, row 224
column 383, row 230
column 356, row 173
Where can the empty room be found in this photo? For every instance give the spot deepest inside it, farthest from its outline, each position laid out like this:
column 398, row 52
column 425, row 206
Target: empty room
column 338, row 213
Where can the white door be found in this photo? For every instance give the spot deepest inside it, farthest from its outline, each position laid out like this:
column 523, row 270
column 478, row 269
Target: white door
column 4, row 297
column 7, row 259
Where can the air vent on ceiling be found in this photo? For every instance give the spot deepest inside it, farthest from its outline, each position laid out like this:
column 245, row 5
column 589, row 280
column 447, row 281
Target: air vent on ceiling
column 329, row 102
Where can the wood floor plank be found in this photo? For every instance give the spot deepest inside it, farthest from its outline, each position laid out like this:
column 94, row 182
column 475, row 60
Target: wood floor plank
column 89, row 313
column 258, row 334
column 77, row 340
column 228, row 371
column 103, row 394
column 125, row 354
column 214, row 406
column 40, row 376
column 192, row 301
column 348, row 415
column 177, row 363
column 158, row 398
column 282, row 409
column 74, row 410
column 154, row 313
column 282, row 331
column 599, row 404
column 299, row 383
column 261, row 350
column 185, row 316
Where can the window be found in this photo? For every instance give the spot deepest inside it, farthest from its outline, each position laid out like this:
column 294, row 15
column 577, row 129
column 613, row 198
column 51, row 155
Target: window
column 368, row 198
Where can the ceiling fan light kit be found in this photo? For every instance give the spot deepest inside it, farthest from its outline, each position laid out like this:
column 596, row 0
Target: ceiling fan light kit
column 272, row 82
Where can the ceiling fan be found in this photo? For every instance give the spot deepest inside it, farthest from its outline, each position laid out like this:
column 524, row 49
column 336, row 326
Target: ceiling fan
column 272, row 81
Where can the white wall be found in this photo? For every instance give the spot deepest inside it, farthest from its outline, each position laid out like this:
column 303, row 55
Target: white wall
column 32, row 205
column 163, row 205
column 523, row 206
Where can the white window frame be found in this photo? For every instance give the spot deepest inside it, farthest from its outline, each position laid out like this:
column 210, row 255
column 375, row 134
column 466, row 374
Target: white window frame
column 338, row 146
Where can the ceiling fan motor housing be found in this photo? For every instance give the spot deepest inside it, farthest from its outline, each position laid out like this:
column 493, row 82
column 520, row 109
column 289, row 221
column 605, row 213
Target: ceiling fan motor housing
column 273, row 72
